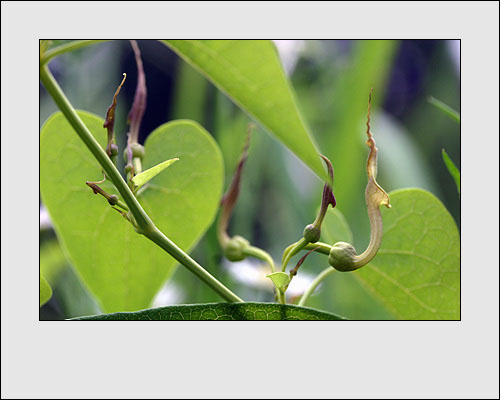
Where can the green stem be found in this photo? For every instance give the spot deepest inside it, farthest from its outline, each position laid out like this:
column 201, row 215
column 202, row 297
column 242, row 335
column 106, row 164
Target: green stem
column 290, row 251
column 281, row 296
column 322, row 275
column 120, row 204
column 67, row 47
column 145, row 224
column 137, row 163
column 260, row 254
column 265, row 256
column 323, row 247
column 171, row 248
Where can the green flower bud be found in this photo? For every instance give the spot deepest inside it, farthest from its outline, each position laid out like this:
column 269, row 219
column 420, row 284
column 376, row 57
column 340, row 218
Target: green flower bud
column 114, row 149
column 137, row 151
column 234, row 248
column 342, row 257
column 113, row 199
column 312, row 233
column 128, row 168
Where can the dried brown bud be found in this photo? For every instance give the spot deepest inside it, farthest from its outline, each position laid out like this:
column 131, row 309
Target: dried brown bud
column 109, row 123
column 228, row 201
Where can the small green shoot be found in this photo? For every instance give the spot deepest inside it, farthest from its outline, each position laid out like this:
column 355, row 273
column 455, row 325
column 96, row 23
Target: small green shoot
column 280, row 279
column 145, row 176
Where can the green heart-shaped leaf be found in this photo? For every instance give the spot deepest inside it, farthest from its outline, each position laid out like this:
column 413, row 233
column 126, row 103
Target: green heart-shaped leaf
column 248, row 311
column 416, row 272
column 123, row 269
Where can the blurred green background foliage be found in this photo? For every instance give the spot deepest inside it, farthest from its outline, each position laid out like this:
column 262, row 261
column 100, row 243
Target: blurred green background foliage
column 279, row 195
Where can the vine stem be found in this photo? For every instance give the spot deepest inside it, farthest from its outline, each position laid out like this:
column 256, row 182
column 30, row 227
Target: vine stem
column 290, row 251
column 322, row 275
column 145, row 224
column 260, row 254
column 65, row 48
column 265, row 256
column 319, row 247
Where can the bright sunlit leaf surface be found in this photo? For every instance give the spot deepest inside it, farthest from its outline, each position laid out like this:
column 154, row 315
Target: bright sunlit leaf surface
column 123, row 269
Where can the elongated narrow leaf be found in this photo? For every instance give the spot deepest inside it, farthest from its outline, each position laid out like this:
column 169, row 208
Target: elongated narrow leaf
column 145, row 176
column 452, row 169
column 220, row 311
column 45, row 291
column 445, row 108
column 251, row 74
column 416, row 272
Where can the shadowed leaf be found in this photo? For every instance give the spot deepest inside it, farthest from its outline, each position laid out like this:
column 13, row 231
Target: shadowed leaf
column 220, row 311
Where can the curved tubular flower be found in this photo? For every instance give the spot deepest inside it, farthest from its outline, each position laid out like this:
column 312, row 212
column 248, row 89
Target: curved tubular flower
column 343, row 256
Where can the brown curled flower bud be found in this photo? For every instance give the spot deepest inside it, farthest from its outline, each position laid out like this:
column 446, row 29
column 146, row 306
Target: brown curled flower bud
column 109, row 123
column 228, row 201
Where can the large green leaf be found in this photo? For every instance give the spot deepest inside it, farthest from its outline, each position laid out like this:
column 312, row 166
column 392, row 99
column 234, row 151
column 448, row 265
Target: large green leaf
column 122, row 269
column 416, row 273
column 52, row 260
column 221, row 311
column 251, row 74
